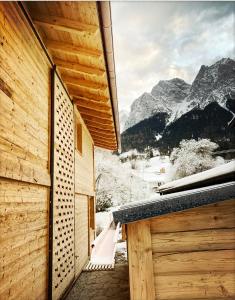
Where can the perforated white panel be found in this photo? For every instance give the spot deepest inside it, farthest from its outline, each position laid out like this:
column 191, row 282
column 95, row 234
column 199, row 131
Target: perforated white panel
column 63, row 203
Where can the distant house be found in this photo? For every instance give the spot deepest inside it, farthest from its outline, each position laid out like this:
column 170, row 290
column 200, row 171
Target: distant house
column 57, row 102
column 182, row 245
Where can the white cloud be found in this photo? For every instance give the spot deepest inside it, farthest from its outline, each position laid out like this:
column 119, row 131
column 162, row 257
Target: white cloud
column 160, row 40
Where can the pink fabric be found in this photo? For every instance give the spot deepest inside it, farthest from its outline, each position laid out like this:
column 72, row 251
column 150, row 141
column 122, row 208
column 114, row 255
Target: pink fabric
column 104, row 250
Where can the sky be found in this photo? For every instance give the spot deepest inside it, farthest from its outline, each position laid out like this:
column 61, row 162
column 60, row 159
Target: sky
column 162, row 40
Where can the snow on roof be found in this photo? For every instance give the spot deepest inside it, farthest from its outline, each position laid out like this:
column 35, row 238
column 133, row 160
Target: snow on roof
column 166, row 204
column 211, row 174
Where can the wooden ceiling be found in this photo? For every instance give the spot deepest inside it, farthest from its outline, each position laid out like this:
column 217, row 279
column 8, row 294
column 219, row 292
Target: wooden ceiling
column 72, row 34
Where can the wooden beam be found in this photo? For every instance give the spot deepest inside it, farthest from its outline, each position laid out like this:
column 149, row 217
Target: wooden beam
column 78, row 92
column 70, row 65
column 97, row 120
column 105, row 112
column 103, row 138
column 99, row 125
column 124, row 234
column 100, row 133
column 106, row 147
column 84, row 102
column 106, row 141
column 105, row 144
column 64, row 24
column 72, row 49
column 105, row 130
column 83, row 83
column 93, row 113
column 100, row 141
column 140, row 261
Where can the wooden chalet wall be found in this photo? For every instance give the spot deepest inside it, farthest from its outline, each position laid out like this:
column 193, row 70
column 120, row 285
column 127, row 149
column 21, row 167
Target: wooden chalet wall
column 184, row 255
column 84, row 189
column 84, row 162
column 24, row 158
column 25, row 142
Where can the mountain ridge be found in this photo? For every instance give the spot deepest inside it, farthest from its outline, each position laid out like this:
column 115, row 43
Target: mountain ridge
column 210, row 97
column 176, row 97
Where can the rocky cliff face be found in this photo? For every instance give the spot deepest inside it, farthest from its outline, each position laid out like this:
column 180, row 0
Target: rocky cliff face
column 207, row 105
column 176, row 97
column 123, row 116
column 163, row 97
column 211, row 84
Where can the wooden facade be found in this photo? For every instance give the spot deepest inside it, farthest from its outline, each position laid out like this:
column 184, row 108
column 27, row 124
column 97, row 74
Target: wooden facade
column 184, row 255
column 55, row 96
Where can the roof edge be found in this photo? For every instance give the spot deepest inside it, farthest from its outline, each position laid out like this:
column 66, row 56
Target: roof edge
column 175, row 202
column 216, row 175
column 104, row 11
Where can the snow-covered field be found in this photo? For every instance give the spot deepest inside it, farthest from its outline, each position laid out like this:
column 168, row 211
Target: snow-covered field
column 149, row 172
column 155, row 170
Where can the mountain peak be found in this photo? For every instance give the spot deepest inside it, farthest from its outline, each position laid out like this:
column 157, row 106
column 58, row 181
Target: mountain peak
column 224, row 61
column 175, row 97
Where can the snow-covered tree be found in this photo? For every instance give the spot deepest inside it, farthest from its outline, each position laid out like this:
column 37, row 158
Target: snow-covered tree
column 193, row 157
column 115, row 182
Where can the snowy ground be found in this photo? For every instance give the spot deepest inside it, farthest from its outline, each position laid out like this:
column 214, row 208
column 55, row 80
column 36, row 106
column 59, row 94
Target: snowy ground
column 154, row 171
column 150, row 170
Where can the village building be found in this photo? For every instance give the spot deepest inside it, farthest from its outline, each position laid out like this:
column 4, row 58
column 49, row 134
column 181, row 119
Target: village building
column 181, row 245
column 58, row 101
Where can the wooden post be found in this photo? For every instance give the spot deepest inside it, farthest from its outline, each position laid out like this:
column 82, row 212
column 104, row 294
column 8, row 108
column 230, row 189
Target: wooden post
column 140, row 261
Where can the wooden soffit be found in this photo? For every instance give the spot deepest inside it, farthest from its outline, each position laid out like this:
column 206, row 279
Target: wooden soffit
column 78, row 38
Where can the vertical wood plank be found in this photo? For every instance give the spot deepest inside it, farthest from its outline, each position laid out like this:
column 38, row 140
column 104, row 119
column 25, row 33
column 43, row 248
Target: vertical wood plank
column 81, row 232
column 140, row 261
column 63, row 192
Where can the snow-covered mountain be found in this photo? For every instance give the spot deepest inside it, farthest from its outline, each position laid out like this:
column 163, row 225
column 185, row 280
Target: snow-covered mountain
column 142, row 108
column 212, row 84
column 123, row 116
column 163, row 97
column 205, row 110
column 176, row 97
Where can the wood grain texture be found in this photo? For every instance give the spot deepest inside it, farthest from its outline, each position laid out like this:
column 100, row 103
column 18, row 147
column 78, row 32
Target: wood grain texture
column 23, row 240
column 211, row 239
column 63, row 192
column 212, row 285
column 84, row 168
column 24, row 157
column 218, row 215
column 194, row 253
column 81, row 232
column 194, row 262
column 64, row 24
column 72, row 33
column 140, row 261
column 72, row 49
column 24, row 101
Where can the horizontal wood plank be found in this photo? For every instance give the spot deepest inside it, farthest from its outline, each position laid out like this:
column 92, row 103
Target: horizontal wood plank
column 194, row 262
column 64, row 24
column 194, row 240
column 72, row 49
column 70, row 65
column 219, row 215
column 195, row 286
column 70, row 80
